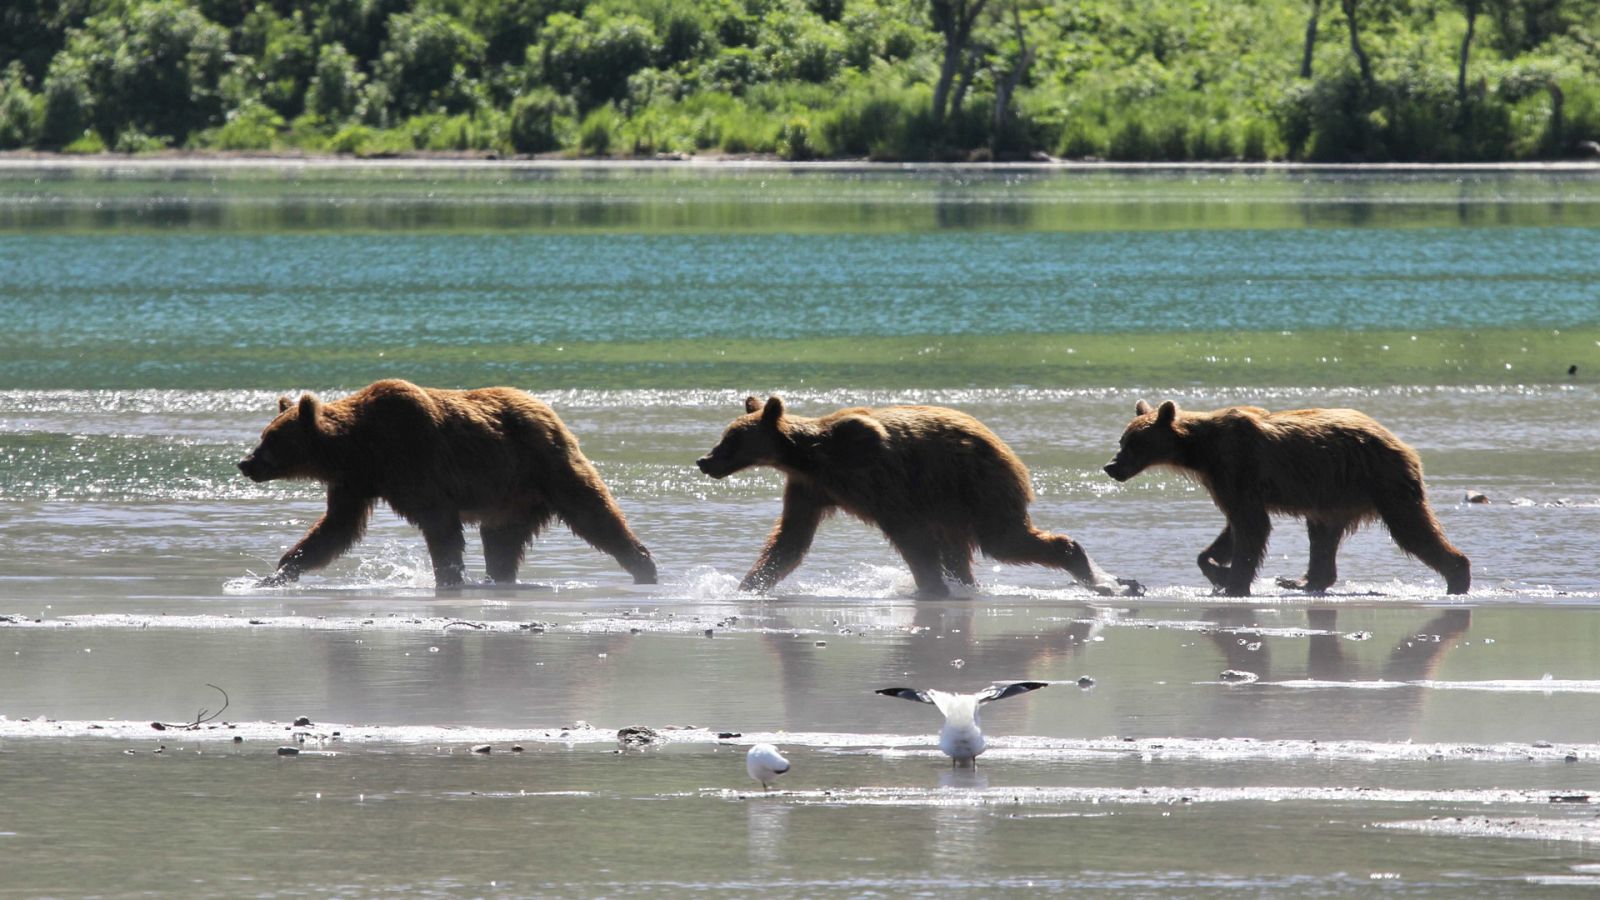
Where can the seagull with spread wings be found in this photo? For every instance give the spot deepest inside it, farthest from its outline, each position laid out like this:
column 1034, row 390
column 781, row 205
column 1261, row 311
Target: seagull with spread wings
column 961, row 739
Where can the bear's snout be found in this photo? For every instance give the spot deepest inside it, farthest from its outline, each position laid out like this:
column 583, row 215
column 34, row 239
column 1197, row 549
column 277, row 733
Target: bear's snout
column 252, row 469
column 1116, row 471
column 708, row 465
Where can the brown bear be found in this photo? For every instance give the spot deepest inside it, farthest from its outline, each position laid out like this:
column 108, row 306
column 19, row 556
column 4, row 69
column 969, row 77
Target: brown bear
column 495, row 456
column 1336, row 468
column 936, row 481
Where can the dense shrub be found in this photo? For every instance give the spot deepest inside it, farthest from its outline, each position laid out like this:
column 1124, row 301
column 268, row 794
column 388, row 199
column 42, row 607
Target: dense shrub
column 21, row 111
column 536, row 121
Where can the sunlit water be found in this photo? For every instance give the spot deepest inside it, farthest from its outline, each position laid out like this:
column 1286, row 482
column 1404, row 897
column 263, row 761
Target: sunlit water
column 1391, row 738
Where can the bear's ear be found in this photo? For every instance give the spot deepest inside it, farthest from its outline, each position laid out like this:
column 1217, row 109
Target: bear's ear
column 1141, row 408
column 751, row 404
column 309, row 407
column 284, row 403
column 1166, row 413
column 772, row 412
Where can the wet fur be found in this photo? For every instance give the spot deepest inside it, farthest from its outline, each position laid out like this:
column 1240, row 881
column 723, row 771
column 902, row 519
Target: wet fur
column 1335, row 468
column 496, row 457
column 937, row 482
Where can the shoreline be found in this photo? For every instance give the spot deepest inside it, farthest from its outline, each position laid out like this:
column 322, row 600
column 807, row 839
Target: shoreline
column 16, row 161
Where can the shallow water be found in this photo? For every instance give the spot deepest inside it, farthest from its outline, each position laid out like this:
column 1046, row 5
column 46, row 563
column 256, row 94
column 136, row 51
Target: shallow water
column 1392, row 739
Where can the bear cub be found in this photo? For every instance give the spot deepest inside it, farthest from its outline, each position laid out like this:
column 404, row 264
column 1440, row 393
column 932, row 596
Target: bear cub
column 936, row 481
column 495, row 456
column 1335, row 468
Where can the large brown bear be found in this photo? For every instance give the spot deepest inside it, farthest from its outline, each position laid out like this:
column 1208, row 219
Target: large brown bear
column 1336, row 468
column 936, row 481
column 494, row 456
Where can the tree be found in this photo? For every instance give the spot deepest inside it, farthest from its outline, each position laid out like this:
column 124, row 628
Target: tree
column 428, row 63
column 1311, row 39
column 1008, row 75
column 1362, row 62
column 591, row 58
column 154, row 68
column 954, row 20
column 335, row 90
column 1470, row 8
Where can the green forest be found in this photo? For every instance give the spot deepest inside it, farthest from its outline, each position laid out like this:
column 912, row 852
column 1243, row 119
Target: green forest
column 1135, row 80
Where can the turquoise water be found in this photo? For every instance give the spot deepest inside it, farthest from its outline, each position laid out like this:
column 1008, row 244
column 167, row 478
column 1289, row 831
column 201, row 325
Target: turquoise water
column 1397, row 739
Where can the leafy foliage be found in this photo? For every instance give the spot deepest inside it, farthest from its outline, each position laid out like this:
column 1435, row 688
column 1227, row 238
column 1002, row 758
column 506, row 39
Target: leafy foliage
column 806, row 79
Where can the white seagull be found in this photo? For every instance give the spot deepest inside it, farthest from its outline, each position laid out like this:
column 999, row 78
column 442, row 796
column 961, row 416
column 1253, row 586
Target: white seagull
column 961, row 739
column 765, row 764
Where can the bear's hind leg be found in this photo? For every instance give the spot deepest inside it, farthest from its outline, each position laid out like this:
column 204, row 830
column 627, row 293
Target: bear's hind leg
column 589, row 510
column 1413, row 527
column 1215, row 559
column 1322, row 571
column 1026, row 544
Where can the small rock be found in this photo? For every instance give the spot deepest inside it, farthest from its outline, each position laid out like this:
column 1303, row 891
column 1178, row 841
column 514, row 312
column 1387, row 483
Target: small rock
column 516, row 748
column 1085, row 682
column 288, row 751
column 709, row 633
column 728, row 735
column 1237, row 676
column 1476, row 497
column 1569, row 798
column 302, row 722
column 158, row 726
column 483, row 748
column 822, row 643
column 1572, row 757
column 238, row 739
column 1543, row 745
column 130, row 753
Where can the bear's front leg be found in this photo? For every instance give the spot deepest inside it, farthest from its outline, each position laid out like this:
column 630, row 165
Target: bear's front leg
column 1250, row 528
column 1215, row 559
column 446, row 547
column 789, row 540
column 333, row 534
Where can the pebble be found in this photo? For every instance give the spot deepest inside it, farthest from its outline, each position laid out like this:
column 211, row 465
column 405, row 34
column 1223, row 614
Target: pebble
column 302, row 722
column 1237, row 676
column 288, row 751
column 1085, row 682
column 483, row 748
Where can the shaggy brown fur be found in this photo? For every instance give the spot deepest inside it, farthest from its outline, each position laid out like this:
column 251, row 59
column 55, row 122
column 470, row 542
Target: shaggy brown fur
column 936, row 481
column 1336, row 468
column 494, row 456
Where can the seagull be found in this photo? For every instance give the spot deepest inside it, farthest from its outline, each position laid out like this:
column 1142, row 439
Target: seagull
column 765, row 764
column 961, row 739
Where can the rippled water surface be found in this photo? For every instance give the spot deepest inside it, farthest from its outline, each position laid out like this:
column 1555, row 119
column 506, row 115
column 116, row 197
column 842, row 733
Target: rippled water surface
column 1382, row 738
